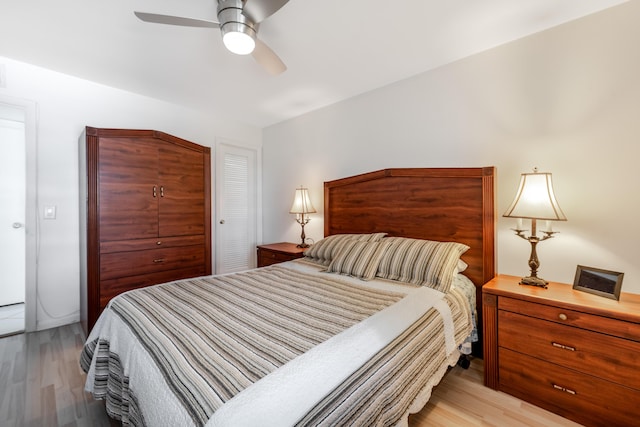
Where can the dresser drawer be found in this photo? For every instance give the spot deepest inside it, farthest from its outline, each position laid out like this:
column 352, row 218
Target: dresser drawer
column 148, row 244
column 603, row 324
column 268, row 257
column 611, row 358
column 135, row 263
column 583, row 398
column 278, row 252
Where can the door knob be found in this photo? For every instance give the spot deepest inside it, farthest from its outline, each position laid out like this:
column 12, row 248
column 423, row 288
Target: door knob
column 17, row 225
column 222, row 221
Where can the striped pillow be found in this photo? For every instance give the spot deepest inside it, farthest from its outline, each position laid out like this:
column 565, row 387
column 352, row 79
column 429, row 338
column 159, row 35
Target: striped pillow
column 329, row 247
column 421, row 262
column 359, row 259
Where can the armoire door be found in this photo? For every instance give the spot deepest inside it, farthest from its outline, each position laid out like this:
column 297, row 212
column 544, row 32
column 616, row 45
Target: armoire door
column 128, row 174
column 181, row 181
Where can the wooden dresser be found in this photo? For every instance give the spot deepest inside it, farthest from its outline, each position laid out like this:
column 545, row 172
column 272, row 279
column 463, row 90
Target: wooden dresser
column 570, row 352
column 278, row 252
column 145, row 208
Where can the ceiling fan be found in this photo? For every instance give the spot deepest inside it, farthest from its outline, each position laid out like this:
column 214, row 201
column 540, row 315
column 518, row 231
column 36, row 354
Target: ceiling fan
column 238, row 21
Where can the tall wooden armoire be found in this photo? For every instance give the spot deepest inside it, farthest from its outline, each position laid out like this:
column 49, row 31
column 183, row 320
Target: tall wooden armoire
column 145, row 213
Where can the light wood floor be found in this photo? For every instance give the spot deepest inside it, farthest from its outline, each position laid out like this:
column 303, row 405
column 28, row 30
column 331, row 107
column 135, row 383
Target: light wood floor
column 461, row 399
column 11, row 319
column 41, row 384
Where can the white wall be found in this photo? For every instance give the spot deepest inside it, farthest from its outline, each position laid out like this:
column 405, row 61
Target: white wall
column 566, row 100
column 65, row 106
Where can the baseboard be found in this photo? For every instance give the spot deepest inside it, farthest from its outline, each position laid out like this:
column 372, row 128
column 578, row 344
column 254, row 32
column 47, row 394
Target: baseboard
column 41, row 325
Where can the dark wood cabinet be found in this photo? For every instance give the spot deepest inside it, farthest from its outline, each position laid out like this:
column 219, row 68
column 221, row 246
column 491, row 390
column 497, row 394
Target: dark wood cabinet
column 278, row 252
column 572, row 353
column 145, row 213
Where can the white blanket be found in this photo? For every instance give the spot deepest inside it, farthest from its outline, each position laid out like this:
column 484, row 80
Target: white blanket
column 284, row 396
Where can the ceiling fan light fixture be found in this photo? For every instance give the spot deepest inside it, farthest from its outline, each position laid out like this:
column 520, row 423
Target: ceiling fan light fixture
column 238, row 32
column 238, row 38
column 238, row 26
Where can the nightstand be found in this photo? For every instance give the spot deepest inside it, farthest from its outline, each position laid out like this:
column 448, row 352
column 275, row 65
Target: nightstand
column 278, row 252
column 570, row 352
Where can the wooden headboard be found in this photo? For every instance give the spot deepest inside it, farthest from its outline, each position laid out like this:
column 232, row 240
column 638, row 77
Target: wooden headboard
column 445, row 204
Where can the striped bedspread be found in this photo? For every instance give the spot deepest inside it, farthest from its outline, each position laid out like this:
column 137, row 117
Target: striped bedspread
column 180, row 353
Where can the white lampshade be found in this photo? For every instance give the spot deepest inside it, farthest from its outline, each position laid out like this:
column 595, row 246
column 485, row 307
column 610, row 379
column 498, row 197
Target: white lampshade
column 302, row 202
column 535, row 199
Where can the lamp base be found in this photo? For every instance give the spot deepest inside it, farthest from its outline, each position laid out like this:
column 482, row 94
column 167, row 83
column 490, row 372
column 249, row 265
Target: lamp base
column 534, row 281
column 303, row 245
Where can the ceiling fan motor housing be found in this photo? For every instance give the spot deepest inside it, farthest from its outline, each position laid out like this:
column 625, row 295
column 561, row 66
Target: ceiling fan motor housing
column 233, row 21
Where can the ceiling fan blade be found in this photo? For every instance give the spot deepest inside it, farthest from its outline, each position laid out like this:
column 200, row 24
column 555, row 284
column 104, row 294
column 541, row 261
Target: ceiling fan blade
column 259, row 10
column 268, row 59
column 175, row 20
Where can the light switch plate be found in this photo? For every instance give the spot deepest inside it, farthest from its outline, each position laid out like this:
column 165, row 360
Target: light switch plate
column 50, row 212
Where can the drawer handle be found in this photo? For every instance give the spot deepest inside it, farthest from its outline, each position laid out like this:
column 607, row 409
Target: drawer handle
column 562, row 346
column 158, row 242
column 566, row 390
column 156, row 261
column 562, row 316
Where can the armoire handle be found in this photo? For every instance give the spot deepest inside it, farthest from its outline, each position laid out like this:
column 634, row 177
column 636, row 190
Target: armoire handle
column 155, row 193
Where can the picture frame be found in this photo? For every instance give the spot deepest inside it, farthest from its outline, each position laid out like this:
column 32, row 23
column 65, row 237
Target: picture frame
column 604, row 283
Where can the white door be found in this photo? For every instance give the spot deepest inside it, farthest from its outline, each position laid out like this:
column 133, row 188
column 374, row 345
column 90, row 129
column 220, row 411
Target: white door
column 236, row 201
column 12, row 205
column 18, row 245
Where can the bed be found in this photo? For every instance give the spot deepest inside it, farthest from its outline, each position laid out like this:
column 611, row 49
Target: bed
column 353, row 334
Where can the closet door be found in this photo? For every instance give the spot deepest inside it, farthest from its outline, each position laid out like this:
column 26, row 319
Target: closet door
column 236, row 194
column 128, row 179
column 181, row 179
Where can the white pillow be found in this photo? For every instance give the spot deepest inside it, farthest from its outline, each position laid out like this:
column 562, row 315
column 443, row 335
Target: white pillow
column 462, row 266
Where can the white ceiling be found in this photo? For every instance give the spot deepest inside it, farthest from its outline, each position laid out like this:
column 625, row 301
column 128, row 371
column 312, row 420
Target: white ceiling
column 334, row 49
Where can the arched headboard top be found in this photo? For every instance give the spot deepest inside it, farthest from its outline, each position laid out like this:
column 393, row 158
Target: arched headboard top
column 444, row 204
